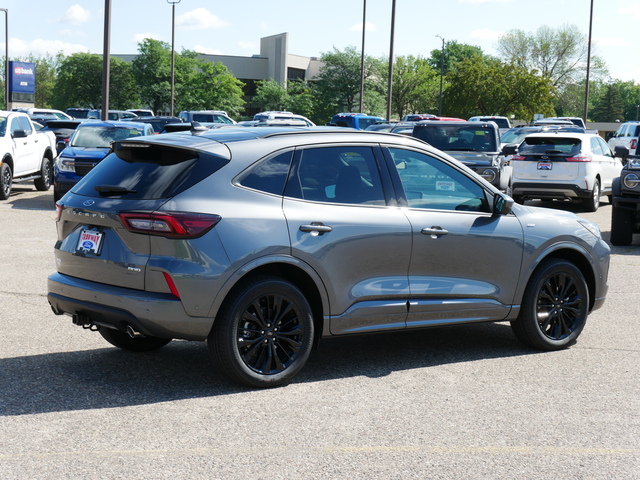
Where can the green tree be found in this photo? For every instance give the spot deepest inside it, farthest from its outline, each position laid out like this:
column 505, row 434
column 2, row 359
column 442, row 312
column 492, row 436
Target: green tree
column 337, row 86
column 79, row 83
column 558, row 54
column 416, row 86
column 481, row 86
column 152, row 71
column 213, row 87
column 270, row 95
column 609, row 107
column 301, row 98
column 454, row 53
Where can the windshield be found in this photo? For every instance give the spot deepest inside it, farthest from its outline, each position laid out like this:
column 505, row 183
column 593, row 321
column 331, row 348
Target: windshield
column 466, row 138
column 101, row 137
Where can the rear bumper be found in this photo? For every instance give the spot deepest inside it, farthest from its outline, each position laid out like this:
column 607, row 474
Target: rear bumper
column 549, row 190
column 154, row 314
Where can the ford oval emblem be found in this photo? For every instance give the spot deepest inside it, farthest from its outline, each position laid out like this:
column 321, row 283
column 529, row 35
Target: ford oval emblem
column 88, row 203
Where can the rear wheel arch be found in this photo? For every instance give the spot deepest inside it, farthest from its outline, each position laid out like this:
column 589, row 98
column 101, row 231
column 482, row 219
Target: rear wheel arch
column 296, row 275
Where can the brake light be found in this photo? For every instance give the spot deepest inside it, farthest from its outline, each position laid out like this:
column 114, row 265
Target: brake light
column 579, row 158
column 634, row 144
column 169, row 224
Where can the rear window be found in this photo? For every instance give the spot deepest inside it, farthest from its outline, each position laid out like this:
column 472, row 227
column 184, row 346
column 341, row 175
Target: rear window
column 148, row 172
column 550, row 146
column 452, row 138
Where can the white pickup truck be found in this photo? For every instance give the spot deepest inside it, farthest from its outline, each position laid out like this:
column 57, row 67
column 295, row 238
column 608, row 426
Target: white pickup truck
column 25, row 153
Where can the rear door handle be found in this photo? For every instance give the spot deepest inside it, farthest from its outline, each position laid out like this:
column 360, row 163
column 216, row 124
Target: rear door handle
column 435, row 231
column 317, row 228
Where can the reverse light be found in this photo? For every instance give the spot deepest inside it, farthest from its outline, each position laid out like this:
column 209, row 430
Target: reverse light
column 169, row 224
column 579, row 158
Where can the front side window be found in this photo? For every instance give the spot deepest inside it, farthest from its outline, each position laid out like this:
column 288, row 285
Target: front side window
column 431, row 183
column 345, row 174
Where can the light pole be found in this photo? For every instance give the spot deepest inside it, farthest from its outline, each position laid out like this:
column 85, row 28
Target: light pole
column 173, row 48
column 364, row 19
column 586, row 89
column 106, row 60
column 441, row 75
column 390, row 83
column 6, row 57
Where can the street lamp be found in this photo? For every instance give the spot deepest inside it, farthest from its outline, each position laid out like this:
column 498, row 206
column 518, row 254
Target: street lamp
column 6, row 57
column 586, row 88
column 106, row 60
column 441, row 75
column 390, row 83
column 173, row 43
column 364, row 19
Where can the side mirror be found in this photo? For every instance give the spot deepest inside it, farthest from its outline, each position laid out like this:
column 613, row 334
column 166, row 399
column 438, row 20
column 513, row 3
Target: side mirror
column 609, row 135
column 19, row 134
column 510, row 149
column 502, row 204
column 622, row 153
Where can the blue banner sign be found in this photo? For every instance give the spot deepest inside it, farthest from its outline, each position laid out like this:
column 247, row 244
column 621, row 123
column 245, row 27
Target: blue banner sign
column 22, row 77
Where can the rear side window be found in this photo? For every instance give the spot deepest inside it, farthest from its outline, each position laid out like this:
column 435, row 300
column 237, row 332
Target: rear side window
column 270, row 175
column 149, row 172
column 550, row 145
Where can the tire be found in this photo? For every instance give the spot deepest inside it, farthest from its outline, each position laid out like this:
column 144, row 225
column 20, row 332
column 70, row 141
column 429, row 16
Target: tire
column 126, row 342
column 6, row 180
column 622, row 223
column 592, row 203
column 554, row 307
column 43, row 183
column 263, row 334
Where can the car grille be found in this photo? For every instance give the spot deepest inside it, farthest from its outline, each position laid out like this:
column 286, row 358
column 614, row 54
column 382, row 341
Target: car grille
column 83, row 168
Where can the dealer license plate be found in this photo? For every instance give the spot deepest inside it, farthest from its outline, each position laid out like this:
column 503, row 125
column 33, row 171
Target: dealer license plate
column 90, row 242
column 545, row 165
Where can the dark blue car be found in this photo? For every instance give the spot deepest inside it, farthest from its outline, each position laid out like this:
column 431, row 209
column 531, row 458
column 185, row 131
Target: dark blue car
column 89, row 144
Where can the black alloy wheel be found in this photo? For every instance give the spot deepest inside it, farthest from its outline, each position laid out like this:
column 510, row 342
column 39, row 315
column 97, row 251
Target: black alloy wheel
column 264, row 334
column 554, row 308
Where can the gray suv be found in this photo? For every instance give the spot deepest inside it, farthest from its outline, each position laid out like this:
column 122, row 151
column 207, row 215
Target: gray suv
column 261, row 241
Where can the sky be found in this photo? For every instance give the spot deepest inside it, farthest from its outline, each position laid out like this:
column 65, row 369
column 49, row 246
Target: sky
column 42, row 27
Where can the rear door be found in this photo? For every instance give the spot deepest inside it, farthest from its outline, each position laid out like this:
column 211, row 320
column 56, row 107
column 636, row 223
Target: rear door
column 339, row 223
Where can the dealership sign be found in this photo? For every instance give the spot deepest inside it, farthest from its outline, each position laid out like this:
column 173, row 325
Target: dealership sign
column 22, row 77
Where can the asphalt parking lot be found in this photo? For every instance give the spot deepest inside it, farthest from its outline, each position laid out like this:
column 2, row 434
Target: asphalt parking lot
column 449, row 403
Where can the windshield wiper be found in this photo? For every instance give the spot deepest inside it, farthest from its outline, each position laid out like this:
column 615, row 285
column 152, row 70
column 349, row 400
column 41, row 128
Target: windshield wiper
column 107, row 190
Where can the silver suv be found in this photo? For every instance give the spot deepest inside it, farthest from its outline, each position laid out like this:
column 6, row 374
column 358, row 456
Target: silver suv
column 261, row 241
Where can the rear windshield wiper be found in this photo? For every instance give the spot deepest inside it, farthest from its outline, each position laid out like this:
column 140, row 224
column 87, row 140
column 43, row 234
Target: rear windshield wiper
column 107, row 190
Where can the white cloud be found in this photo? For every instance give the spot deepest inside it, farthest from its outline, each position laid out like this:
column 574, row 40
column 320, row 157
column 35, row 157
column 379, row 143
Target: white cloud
column 41, row 47
column 486, row 34
column 633, row 10
column 75, row 15
column 207, row 50
column 368, row 27
column 139, row 37
column 610, row 41
column 199, row 19
column 248, row 45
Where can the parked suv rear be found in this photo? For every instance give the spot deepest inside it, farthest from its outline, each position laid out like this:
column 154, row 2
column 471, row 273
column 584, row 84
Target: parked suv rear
column 263, row 240
column 359, row 121
column 627, row 136
column 206, row 116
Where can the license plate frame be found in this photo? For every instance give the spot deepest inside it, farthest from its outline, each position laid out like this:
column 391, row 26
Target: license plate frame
column 90, row 242
column 545, row 166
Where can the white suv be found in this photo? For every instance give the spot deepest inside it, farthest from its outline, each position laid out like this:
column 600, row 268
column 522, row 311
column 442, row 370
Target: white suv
column 282, row 116
column 574, row 166
column 626, row 136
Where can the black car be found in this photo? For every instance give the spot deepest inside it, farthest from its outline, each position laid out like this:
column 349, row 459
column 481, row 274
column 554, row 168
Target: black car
column 158, row 123
column 625, row 210
column 62, row 129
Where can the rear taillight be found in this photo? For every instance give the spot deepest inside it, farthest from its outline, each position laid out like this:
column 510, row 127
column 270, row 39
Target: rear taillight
column 579, row 158
column 634, row 144
column 170, row 224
